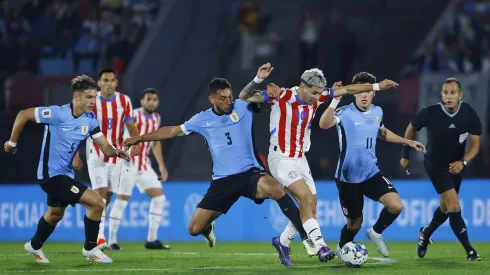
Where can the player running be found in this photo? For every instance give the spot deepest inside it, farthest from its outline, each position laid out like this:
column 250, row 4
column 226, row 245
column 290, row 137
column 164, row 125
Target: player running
column 65, row 128
column 292, row 112
column 227, row 129
column 359, row 124
column 449, row 125
column 140, row 173
column 113, row 110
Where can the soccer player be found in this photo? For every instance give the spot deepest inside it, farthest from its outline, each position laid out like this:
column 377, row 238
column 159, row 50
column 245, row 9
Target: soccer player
column 65, row 128
column 237, row 172
column 140, row 172
column 359, row 124
column 113, row 110
column 449, row 124
column 292, row 112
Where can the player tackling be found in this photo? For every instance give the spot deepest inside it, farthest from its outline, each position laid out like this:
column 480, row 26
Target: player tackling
column 227, row 129
column 359, row 124
column 290, row 121
column 65, row 128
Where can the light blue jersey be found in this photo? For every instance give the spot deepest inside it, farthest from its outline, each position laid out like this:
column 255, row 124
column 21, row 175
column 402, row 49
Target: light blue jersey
column 63, row 134
column 229, row 138
column 357, row 132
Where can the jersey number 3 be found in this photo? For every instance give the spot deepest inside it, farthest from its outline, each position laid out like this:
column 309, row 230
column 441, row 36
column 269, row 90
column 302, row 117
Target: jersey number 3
column 229, row 138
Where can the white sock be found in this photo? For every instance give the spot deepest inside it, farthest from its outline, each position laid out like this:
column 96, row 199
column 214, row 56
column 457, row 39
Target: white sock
column 374, row 233
column 312, row 228
column 115, row 217
column 288, row 235
column 155, row 217
column 102, row 222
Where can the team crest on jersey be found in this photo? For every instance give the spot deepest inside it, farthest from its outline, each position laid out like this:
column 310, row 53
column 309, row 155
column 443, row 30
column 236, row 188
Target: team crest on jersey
column 378, row 121
column 74, row 189
column 84, row 129
column 338, row 111
column 234, row 117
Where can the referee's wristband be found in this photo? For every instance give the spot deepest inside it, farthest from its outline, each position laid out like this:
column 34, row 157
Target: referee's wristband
column 406, row 152
column 12, row 144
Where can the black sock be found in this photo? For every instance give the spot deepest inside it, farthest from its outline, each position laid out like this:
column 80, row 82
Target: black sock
column 291, row 211
column 346, row 235
column 437, row 220
column 44, row 230
column 207, row 230
column 386, row 218
column 459, row 228
column 91, row 232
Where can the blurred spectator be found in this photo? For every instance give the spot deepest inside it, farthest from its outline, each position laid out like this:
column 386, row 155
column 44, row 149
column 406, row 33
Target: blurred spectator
column 309, row 42
column 86, row 48
column 248, row 19
column 26, row 53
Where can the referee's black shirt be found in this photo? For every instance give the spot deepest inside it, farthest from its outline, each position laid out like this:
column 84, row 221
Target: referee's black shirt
column 447, row 132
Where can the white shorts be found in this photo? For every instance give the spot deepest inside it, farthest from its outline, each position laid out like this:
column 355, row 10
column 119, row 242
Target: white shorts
column 287, row 170
column 130, row 176
column 103, row 174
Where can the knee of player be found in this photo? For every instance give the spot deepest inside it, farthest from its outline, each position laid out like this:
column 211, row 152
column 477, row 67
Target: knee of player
column 396, row 207
column 453, row 207
column 98, row 206
column 355, row 225
column 277, row 192
column 54, row 217
column 194, row 230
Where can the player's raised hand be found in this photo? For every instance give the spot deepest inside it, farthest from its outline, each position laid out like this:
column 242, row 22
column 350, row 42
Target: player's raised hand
column 8, row 148
column 121, row 154
column 132, row 141
column 337, row 84
column 264, row 71
column 273, row 91
column 387, row 84
column 417, row 146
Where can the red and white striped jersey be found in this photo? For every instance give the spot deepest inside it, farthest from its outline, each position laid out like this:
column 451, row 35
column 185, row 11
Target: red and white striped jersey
column 145, row 124
column 112, row 114
column 290, row 123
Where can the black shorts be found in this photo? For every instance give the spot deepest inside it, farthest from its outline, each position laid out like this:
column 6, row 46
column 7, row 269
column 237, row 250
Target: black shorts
column 224, row 192
column 63, row 190
column 441, row 178
column 351, row 195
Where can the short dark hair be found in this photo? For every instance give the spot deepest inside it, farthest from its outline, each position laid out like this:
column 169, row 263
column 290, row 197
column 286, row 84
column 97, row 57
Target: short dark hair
column 363, row 77
column 152, row 91
column 452, row 80
column 106, row 70
column 82, row 83
column 218, row 84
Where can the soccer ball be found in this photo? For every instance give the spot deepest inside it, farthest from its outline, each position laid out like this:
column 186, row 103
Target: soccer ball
column 353, row 254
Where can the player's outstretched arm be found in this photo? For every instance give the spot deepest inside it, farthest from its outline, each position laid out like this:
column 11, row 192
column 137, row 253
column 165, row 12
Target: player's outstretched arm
column 20, row 121
column 250, row 93
column 327, row 120
column 133, row 132
column 166, row 132
column 405, row 159
column 109, row 150
column 387, row 135
column 361, row 88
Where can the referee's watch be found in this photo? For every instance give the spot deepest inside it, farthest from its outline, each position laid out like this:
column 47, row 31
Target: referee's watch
column 464, row 162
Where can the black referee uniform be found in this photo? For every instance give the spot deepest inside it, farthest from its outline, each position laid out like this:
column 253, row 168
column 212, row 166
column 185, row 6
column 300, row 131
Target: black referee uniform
column 447, row 134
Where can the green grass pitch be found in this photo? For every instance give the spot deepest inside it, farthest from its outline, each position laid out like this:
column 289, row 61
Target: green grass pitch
column 239, row 258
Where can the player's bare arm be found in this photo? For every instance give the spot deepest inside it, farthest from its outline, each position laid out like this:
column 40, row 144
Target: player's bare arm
column 327, row 120
column 133, row 132
column 361, row 88
column 458, row 166
column 22, row 118
column 409, row 134
column 387, row 135
column 166, row 132
column 156, row 147
column 249, row 92
column 77, row 162
column 109, row 150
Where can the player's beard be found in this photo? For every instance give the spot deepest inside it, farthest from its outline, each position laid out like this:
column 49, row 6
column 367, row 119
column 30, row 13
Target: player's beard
column 222, row 111
column 148, row 111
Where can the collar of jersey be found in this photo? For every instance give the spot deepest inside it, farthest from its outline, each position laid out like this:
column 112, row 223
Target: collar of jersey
column 71, row 108
column 448, row 113
column 361, row 110
column 216, row 113
column 107, row 100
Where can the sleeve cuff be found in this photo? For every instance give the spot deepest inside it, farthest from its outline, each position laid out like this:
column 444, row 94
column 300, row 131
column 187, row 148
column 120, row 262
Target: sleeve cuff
column 97, row 135
column 266, row 96
column 128, row 119
column 182, row 127
column 337, row 119
column 36, row 115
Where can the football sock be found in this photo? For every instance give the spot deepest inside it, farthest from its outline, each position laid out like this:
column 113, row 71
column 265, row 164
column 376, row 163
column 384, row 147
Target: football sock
column 288, row 235
column 102, row 222
column 155, row 217
column 438, row 219
column 115, row 217
column 291, row 211
column 312, row 228
column 346, row 235
column 386, row 218
column 459, row 228
column 91, row 229
column 44, row 230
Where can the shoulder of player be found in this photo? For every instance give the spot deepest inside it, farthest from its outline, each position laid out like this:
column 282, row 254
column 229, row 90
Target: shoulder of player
column 377, row 109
